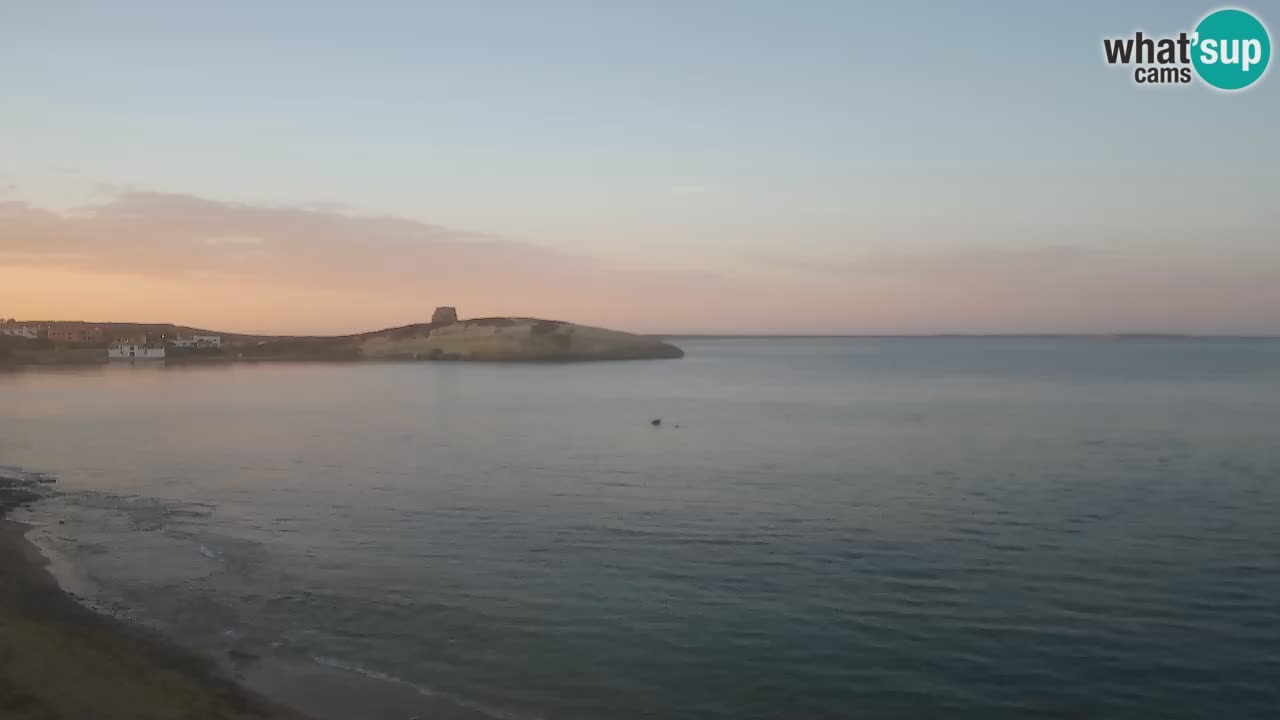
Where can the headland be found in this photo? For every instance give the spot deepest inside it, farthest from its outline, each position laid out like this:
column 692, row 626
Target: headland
column 445, row 338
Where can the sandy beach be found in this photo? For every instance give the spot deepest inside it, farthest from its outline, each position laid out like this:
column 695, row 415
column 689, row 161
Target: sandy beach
column 61, row 660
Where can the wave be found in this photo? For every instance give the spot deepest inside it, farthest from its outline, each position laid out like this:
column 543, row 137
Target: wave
column 19, row 487
column 13, row 473
column 422, row 690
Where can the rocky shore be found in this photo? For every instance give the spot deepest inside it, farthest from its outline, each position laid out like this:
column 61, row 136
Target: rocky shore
column 61, row 661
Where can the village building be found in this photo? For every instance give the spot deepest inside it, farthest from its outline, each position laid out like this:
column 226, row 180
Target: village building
column 31, row 332
column 198, row 341
column 77, row 333
column 135, row 351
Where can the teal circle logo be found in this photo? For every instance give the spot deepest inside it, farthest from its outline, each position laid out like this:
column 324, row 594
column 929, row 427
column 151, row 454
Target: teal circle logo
column 1232, row 49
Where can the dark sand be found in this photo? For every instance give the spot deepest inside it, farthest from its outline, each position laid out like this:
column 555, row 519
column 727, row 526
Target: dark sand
column 59, row 660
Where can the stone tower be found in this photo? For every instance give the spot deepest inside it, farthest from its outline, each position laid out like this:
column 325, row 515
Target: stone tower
column 444, row 316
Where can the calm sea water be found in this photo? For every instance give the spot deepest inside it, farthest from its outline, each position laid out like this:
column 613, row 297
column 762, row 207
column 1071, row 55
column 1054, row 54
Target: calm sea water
column 837, row 528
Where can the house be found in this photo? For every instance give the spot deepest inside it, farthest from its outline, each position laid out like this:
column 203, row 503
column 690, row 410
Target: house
column 25, row 331
column 198, row 341
column 135, row 351
column 78, row 333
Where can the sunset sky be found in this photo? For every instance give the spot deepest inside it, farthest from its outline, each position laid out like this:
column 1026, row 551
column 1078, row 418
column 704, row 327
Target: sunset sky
column 665, row 166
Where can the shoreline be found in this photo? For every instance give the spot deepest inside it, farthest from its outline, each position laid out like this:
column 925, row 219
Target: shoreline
column 60, row 659
column 57, row 628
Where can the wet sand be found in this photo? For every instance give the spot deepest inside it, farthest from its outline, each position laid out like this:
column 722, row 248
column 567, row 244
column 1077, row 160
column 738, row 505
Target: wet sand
column 60, row 660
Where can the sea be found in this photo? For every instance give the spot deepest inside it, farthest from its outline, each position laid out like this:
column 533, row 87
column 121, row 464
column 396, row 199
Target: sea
column 816, row 528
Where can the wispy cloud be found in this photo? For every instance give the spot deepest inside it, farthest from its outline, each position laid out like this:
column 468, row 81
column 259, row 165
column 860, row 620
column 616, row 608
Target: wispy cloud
column 239, row 266
column 393, row 267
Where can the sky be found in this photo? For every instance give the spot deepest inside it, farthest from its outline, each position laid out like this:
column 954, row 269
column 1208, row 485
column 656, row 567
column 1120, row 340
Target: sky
column 691, row 166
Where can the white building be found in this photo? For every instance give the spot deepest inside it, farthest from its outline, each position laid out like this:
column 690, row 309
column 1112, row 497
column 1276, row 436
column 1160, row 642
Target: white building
column 124, row 351
column 198, row 341
column 25, row 331
column 213, row 341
